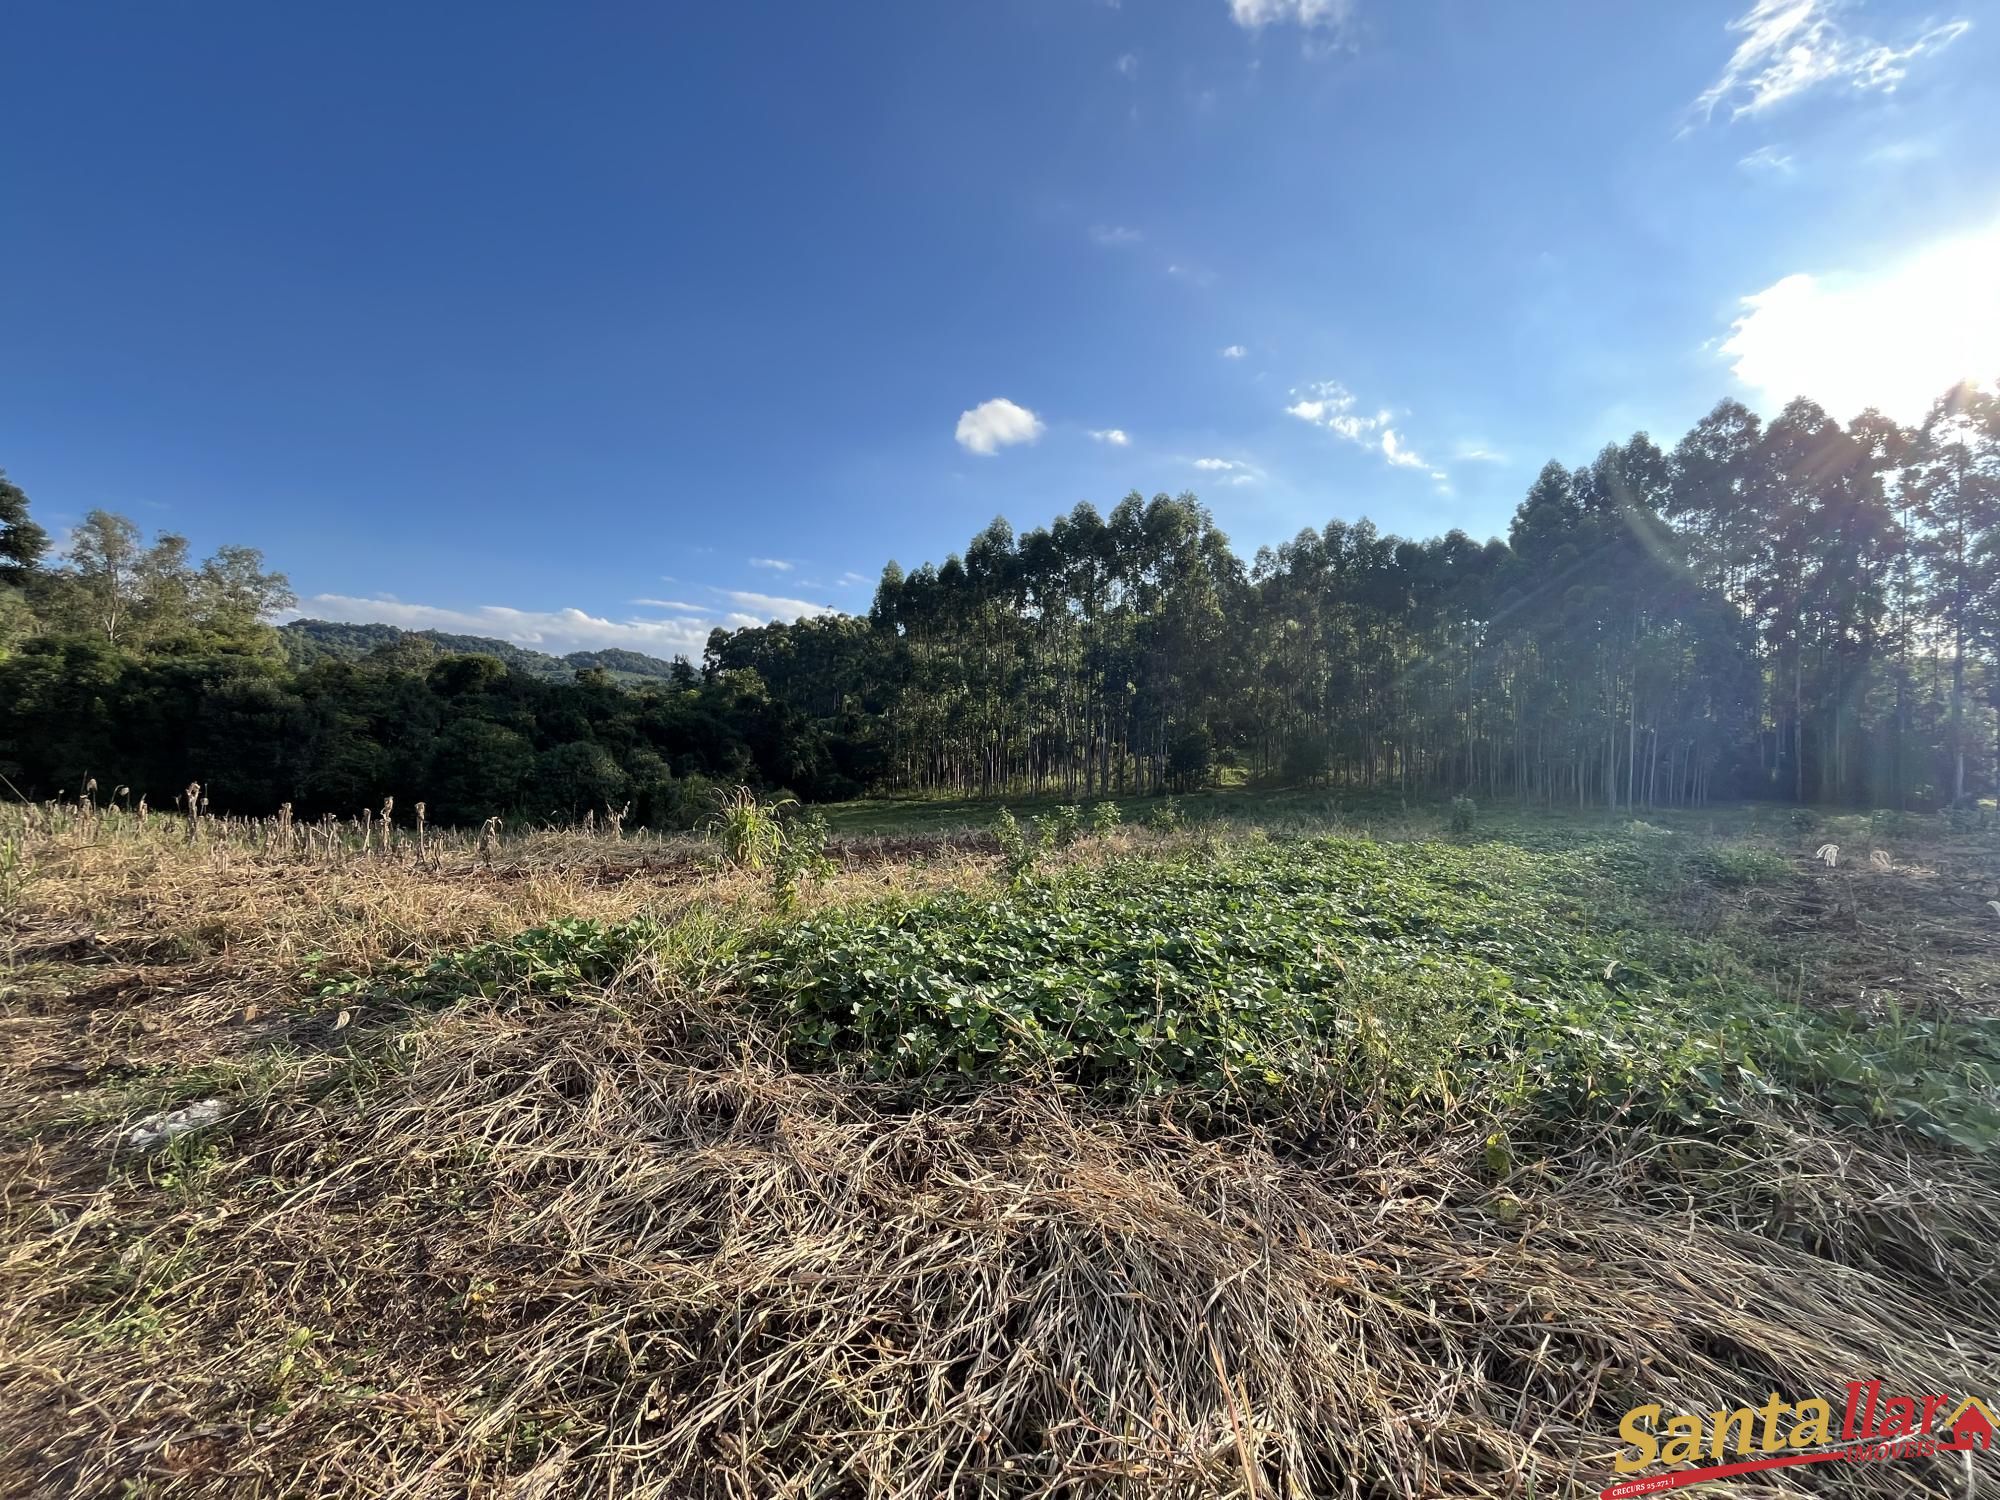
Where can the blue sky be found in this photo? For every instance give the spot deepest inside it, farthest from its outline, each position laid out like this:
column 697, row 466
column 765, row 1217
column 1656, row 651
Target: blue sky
column 593, row 326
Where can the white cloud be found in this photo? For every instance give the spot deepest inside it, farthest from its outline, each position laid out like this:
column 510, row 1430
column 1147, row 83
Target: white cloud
column 772, row 608
column 1901, row 153
column 1114, row 235
column 1896, row 338
column 853, row 580
column 1234, row 351
column 561, row 631
column 1127, row 65
column 1402, row 457
column 1475, row 453
column 1257, row 14
column 1331, row 405
column 775, row 564
column 1792, row 46
column 992, row 425
column 555, row 631
column 1115, row 436
column 1767, row 159
column 1239, row 471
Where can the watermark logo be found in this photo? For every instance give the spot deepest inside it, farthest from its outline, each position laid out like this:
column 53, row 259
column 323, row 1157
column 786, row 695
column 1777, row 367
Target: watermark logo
column 1871, row 1425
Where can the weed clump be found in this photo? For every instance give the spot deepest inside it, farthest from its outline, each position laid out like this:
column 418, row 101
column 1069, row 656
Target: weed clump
column 749, row 830
column 801, row 859
column 1741, row 865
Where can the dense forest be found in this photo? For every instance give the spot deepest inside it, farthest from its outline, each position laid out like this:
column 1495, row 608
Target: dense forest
column 1797, row 609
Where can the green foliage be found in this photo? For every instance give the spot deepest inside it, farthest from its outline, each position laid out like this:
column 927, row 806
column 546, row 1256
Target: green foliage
column 749, row 830
column 1165, row 815
column 1015, row 849
column 801, row 858
column 22, row 542
column 1104, row 817
column 1464, row 815
column 1741, row 865
column 1057, row 830
column 1191, row 760
column 1527, row 984
column 558, row 959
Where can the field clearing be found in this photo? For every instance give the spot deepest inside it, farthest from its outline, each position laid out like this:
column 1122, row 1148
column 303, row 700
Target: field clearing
column 1295, row 1147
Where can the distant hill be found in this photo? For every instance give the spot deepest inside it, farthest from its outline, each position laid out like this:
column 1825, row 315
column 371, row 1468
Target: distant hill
column 310, row 641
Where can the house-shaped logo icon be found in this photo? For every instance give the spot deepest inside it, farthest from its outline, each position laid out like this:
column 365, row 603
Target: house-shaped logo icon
column 1971, row 1426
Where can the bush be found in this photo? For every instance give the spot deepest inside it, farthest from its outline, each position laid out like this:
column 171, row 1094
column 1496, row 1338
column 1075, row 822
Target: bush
column 1014, row 847
column 1464, row 815
column 1060, row 829
column 1166, row 816
column 1741, row 865
column 1104, row 817
column 749, row 830
column 801, row 858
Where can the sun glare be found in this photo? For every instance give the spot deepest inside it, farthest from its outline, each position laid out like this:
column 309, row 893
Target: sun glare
column 1895, row 339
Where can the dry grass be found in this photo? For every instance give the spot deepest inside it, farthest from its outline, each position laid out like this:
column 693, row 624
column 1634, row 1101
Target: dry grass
column 617, row 1247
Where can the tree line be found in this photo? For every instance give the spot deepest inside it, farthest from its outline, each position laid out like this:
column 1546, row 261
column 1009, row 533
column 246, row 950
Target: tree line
column 1800, row 609
column 128, row 665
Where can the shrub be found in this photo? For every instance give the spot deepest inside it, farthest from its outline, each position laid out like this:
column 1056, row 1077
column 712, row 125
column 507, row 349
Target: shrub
column 749, row 830
column 1062, row 828
column 801, row 858
column 1741, row 865
column 1014, row 847
column 1104, row 817
column 1464, row 815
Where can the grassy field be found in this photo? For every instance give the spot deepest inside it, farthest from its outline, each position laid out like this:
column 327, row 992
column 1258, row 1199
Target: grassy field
column 1256, row 1146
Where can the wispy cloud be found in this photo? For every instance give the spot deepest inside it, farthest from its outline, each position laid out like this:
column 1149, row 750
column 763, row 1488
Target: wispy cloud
column 554, row 631
column 853, row 580
column 1792, row 46
column 1254, row 15
column 992, row 425
column 1115, row 436
column 1233, row 351
column 1895, row 338
column 560, row 631
column 770, row 606
column 773, row 564
column 1127, row 66
column 1233, row 471
column 1476, row 453
column 1331, row 405
column 1114, row 236
column 1767, row 161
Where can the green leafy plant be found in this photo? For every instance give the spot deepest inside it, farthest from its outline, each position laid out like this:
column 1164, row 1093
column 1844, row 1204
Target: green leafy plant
column 1104, row 817
column 749, row 830
column 1015, row 850
column 801, row 858
column 1741, row 865
column 1464, row 815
